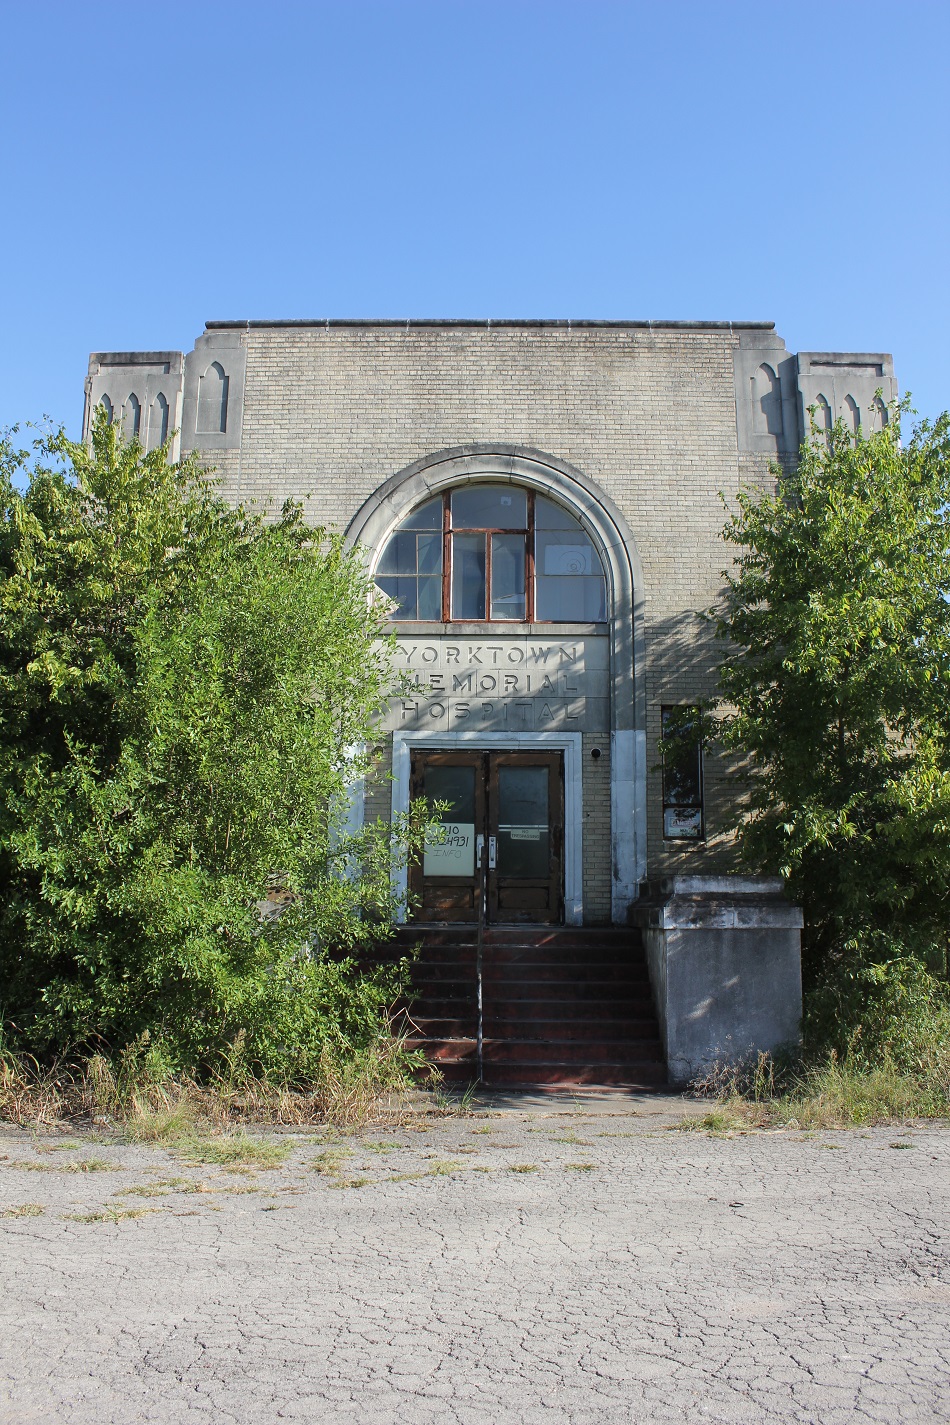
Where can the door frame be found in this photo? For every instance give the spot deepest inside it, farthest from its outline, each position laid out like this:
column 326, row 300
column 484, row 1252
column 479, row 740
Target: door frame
column 569, row 743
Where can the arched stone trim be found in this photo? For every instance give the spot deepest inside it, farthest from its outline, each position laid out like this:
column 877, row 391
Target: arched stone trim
column 607, row 527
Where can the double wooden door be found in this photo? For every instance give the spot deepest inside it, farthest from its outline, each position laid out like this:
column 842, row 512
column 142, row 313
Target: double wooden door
column 502, row 837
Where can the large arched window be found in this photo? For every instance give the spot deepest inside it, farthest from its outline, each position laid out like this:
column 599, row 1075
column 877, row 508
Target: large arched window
column 493, row 553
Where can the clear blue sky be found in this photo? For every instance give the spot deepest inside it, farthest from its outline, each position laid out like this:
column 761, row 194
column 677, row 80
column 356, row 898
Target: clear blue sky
column 167, row 163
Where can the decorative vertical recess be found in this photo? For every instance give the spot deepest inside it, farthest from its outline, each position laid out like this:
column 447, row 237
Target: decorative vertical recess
column 823, row 415
column 213, row 401
column 106, row 405
column 880, row 416
column 854, row 413
column 158, row 422
column 766, row 401
column 132, row 416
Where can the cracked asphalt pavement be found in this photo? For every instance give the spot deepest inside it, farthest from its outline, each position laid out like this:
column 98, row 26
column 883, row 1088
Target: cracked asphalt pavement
column 549, row 1265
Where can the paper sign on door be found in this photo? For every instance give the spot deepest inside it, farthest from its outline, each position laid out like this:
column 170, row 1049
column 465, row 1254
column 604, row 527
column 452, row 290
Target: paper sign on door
column 454, row 853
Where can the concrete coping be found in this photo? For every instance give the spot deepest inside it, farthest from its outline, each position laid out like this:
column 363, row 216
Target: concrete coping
column 691, row 885
column 716, row 903
column 564, row 323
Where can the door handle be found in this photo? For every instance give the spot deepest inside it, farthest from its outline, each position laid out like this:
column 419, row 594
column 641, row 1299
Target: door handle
column 492, row 852
column 479, row 851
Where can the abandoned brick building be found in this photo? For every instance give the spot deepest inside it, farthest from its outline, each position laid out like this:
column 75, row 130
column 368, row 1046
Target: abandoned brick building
column 541, row 502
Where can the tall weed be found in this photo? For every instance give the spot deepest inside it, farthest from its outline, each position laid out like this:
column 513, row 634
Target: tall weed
column 136, row 1094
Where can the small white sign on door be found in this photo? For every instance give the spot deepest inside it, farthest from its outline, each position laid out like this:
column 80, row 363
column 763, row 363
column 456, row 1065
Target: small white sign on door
column 454, row 853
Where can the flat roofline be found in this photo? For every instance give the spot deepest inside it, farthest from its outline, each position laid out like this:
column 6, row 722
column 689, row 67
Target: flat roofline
column 565, row 323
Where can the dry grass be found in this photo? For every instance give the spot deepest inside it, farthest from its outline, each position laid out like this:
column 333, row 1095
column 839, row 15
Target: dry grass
column 109, row 1214
column 829, row 1094
column 129, row 1097
column 77, row 1165
column 162, row 1188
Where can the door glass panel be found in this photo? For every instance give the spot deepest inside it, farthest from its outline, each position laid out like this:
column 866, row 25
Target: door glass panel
column 454, row 854
column 468, row 576
column 489, row 507
column 523, row 828
column 507, row 576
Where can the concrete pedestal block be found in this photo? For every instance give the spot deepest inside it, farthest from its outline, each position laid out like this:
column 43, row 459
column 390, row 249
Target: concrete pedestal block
column 725, row 962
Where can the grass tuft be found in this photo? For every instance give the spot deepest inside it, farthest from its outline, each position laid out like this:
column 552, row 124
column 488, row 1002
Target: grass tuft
column 233, row 1150
column 109, row 1214
column 163, row 1187
column 24, row 1209
column 719, row 1122
column 78, row 1165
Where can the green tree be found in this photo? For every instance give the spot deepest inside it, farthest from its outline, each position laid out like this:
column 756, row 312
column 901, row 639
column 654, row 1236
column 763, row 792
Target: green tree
column 186, row 693
column 836, row 687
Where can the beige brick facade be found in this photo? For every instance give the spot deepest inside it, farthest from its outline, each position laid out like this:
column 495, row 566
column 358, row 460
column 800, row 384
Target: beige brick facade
column 662, row 419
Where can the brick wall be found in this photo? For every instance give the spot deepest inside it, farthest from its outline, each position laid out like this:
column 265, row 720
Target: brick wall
column 649, row 415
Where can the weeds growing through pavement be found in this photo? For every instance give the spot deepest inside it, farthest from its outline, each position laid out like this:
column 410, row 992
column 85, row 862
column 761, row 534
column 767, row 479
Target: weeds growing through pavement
column 451, row 1103
column 329, row 1163
column 24, row 1209
column 234, row 1149
column 718, row 1122
column 109, row 1214
column 79, row 1165
column 166, row 1186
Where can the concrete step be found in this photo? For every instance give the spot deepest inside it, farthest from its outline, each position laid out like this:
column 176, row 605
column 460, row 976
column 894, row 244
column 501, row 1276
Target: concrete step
column 642, row 1078
column 561, row 1005
column 522, row 1053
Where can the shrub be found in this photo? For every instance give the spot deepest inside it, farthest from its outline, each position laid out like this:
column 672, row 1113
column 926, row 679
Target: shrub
column 186, row 693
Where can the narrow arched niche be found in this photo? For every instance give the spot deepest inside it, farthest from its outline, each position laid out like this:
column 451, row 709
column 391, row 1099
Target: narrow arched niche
column 213, row 401
column 823, row 418
column 158, row 422
column 132, row 416
column 767, row 401
column 853, row 412
column 106, row 405
column 880, row 413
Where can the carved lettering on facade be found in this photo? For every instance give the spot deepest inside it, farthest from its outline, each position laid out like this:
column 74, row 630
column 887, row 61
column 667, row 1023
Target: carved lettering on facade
column 506, row 684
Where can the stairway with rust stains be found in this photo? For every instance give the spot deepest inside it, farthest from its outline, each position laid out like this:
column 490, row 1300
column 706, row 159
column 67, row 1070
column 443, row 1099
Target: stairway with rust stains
column 561, row 1005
